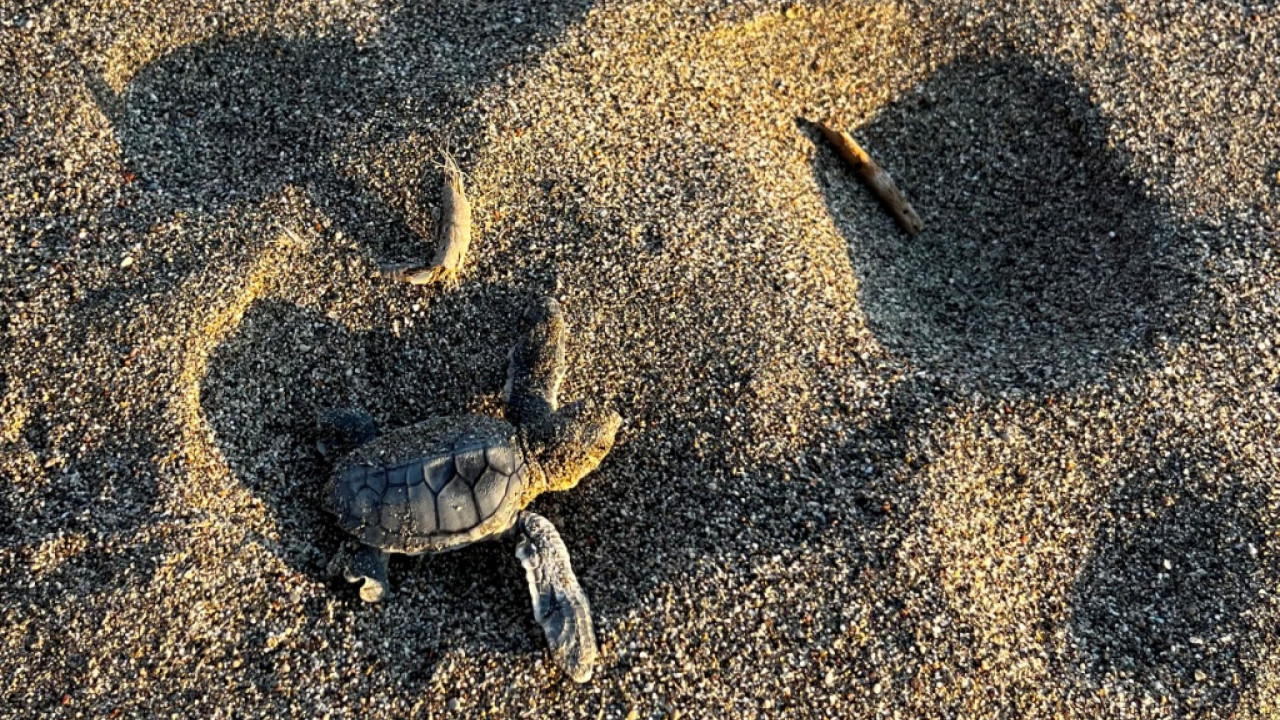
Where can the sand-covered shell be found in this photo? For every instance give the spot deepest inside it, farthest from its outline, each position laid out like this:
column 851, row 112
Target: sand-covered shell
column 442, row 483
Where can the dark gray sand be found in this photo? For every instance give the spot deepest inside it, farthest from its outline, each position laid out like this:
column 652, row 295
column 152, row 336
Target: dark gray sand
column 1020, row 466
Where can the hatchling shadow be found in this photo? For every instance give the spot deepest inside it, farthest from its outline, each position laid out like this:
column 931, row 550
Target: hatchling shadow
column 232, row 119
column 1176, row 568
column 284, row 367
column 1042, row 262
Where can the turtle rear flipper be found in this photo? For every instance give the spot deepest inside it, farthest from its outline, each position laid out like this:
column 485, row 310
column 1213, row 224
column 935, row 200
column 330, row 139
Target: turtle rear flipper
column 367, row 566
column 559, row 604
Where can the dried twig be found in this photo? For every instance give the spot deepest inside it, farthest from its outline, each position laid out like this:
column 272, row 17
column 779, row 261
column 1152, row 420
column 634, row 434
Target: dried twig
column 452, row 239
column 876, row 177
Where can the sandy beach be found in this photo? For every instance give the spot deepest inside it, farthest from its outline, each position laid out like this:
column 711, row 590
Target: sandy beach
column 1022, row 465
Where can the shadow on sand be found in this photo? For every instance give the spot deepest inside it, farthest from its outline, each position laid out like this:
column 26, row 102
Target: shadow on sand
column 1019, row 280
column 285, row 366
column 1044, row 267
column 233, row 119
column 1042, row 261
column 1165, row 598
column 207, row 127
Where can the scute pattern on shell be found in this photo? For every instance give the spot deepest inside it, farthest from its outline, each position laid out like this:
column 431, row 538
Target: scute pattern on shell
column 408, row 504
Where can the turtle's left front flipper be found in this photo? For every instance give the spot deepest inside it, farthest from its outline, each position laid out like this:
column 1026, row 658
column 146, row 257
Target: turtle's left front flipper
column 559, row 605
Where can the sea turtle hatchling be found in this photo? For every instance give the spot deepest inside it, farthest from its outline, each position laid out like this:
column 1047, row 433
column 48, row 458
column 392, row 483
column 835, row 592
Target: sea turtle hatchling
column 448, row 482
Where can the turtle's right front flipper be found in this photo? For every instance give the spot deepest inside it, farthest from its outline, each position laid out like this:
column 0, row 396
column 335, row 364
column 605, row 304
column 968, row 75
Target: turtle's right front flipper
column 559, row 604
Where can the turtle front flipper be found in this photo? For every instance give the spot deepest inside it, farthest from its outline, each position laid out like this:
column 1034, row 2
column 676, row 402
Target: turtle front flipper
column 559, row 604
column 537, row 366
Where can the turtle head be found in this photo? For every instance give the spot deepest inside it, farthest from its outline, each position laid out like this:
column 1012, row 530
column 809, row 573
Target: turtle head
column 577, row 438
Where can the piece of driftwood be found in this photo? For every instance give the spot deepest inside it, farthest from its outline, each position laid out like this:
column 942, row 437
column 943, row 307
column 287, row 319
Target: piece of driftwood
column 875, row 176
column 453, row 236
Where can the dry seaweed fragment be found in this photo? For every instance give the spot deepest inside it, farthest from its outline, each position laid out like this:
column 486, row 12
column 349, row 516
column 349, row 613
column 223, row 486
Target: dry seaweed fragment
column 876, row 178
column 453, row 236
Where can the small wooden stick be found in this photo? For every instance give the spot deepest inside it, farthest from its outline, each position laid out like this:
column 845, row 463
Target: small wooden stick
column 452, row 239
column 876, row 177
